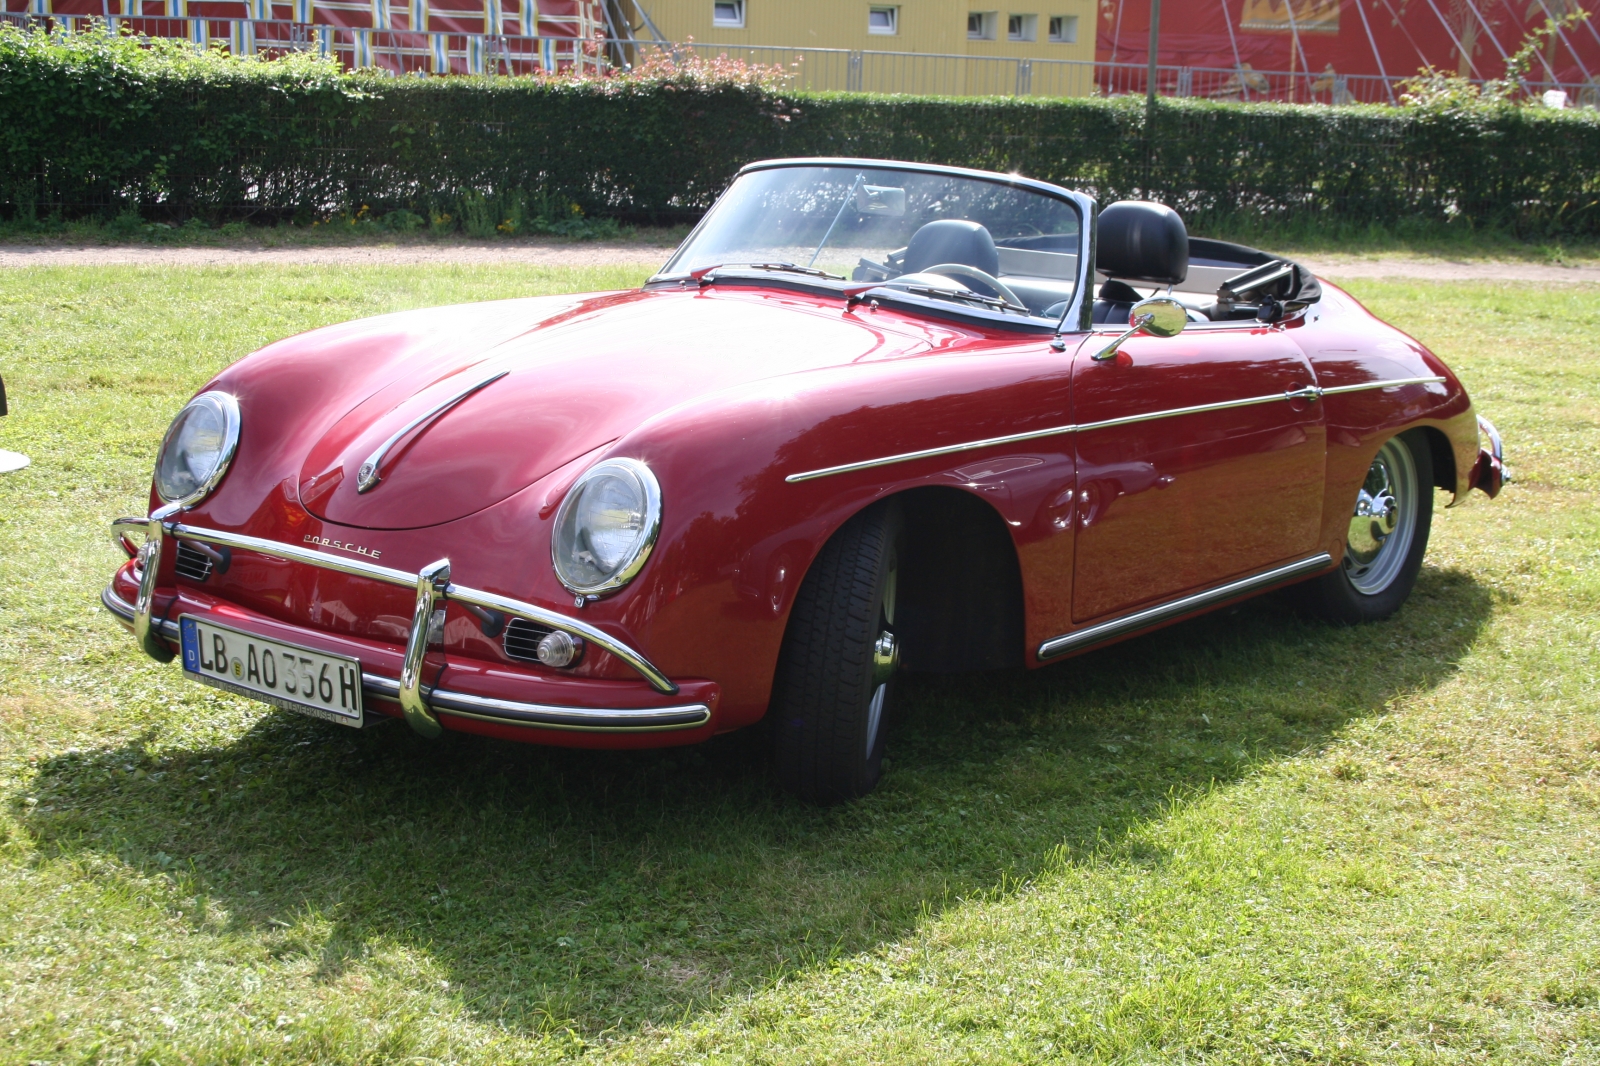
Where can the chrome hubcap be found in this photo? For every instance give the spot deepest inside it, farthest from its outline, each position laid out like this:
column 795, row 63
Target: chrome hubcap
column 1373, row 522
column 885, row 657
column 1384, row 521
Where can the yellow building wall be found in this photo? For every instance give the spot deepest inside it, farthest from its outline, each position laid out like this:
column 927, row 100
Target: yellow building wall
column 930, row 28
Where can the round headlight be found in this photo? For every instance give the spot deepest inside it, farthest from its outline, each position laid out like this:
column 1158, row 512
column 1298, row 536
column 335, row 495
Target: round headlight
column 197, row 448
column 606, row 526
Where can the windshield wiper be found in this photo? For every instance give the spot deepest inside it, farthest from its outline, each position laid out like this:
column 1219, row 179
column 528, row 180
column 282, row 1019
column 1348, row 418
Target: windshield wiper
column 784, row 268
column 965, row 295
column 849, row 198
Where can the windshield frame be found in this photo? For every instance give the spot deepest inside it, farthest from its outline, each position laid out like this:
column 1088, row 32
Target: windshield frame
column 1079, row 311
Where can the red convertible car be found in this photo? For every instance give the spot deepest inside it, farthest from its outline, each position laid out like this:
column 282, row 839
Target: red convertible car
column 871, row 417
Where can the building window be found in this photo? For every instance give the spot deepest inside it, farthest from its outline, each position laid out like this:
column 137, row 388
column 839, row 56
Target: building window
column 883, row 20
column 728, row 13
column 1022, row 28
column 980, row 25
column 1064, row 29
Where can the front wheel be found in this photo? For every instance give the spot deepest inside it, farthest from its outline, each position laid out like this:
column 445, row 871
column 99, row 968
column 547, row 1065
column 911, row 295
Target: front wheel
column 1388, row 534
column 835, row 680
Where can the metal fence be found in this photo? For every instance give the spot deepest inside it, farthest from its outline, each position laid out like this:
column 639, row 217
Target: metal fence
column 816, row 69
column 851, row 70
column 396, row 51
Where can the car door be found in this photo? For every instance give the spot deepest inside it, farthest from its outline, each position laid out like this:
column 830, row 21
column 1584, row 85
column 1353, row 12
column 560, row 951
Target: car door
column 1193, row 465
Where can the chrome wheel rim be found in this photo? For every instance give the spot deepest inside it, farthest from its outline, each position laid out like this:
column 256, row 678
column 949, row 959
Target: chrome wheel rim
column 875, row 716
column 885, row 656
column 1384, row 521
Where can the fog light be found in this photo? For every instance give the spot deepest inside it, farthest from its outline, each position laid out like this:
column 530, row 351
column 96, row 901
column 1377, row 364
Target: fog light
column 558, row 648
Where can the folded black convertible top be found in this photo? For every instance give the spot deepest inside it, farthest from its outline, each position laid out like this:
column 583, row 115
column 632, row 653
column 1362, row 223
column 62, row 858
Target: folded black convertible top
column 1203, row 251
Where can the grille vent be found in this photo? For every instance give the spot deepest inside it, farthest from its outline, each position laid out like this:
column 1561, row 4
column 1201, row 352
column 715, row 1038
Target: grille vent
column 522, row 640
column 191, row 564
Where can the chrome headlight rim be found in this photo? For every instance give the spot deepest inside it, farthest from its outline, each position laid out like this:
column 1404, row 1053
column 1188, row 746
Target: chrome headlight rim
column 227, row 406
column 639, row 553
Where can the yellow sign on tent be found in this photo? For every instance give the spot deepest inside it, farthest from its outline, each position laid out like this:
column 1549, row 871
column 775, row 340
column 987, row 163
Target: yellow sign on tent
column 1290, row 16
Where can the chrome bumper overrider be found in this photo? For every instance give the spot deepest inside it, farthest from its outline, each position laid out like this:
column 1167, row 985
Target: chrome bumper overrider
column 433, row 588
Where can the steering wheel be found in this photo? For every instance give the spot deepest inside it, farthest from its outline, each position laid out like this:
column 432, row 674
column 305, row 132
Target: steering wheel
column 978, row 280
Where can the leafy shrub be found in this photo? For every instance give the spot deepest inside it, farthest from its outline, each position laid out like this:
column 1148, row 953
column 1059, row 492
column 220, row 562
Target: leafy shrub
column 97, row 125
column 1447, row 90
column 402, row 221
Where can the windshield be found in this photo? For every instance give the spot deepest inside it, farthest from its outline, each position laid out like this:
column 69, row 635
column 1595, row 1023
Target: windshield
column 995, row 246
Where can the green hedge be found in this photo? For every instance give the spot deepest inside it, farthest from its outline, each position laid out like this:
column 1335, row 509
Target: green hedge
column 94, row 125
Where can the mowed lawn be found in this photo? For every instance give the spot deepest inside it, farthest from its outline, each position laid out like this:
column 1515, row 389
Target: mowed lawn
column 1249, row 838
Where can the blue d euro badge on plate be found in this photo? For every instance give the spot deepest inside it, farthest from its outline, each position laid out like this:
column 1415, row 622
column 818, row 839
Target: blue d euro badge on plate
column 285, row 675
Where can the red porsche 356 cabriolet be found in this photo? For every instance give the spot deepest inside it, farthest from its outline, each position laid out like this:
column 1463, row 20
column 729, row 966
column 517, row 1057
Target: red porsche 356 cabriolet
column 871, row 417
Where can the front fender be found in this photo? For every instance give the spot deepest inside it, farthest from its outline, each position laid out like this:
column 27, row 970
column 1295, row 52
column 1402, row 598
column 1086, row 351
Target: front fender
column 739, row 532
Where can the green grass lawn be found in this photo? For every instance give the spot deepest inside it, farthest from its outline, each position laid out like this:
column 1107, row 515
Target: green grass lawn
column 1248, row 838
column 1422, row 239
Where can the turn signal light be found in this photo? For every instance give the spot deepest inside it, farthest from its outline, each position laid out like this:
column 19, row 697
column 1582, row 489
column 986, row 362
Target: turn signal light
column 558, row 648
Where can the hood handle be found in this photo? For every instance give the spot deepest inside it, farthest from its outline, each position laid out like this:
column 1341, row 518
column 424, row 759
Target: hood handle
column 370, row 474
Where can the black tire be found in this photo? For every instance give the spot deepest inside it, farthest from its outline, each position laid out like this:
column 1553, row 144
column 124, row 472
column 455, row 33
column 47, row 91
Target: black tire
column 1367, row 587
column 827, row 733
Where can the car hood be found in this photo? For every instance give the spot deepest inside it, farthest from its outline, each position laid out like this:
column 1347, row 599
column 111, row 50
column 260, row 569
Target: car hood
column 568, row 386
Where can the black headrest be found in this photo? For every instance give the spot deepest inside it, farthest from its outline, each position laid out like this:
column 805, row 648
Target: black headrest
column 952, row 240
column 1141, row 241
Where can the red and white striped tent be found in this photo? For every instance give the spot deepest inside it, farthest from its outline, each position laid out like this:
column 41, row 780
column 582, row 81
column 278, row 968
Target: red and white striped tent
column 1323, row 41
column 403, row 36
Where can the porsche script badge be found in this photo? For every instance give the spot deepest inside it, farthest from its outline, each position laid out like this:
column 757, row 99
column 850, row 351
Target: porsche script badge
column 324, row 542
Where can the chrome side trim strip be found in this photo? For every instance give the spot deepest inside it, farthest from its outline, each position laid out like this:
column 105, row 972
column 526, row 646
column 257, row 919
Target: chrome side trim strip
column 928, row 453
column 1199, row 408
column 460, row 593
column 1306, row 392
column 1150, row 616
column 1386, row 384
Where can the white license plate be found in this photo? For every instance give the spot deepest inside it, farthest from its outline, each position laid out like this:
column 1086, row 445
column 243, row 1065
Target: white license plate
column 284, row 675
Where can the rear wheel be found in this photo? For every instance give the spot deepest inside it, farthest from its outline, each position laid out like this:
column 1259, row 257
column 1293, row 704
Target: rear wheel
column 1388, row 534
column 835, row 679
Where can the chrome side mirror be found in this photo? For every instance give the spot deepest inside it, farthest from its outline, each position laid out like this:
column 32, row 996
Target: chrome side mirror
column 1159, row 316
column 884, row 200
column 1167, row 316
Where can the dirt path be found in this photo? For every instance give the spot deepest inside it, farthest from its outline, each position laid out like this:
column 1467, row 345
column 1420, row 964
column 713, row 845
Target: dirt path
column 1386, row 266
column 562, row 253
column 538, row 253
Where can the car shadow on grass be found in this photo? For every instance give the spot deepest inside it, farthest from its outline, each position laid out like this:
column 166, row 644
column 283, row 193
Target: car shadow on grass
column 612, row 889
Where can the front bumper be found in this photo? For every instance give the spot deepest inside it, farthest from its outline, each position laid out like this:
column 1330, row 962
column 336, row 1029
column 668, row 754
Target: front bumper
column 1490, row 473
column 581, row 703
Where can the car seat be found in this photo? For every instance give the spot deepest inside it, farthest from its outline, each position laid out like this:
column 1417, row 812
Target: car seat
column 1137, row 240
column 951, row 240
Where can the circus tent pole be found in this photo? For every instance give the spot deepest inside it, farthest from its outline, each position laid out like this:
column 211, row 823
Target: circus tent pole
column 1295, row 46
column 1155, row 40
column 1504, row 58
column 1409, row 39
column 1460, row 48
column 1548, row 69
column 1233, row 42
column 1388, row 87
column 1589, row 22
column 1561, row 33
